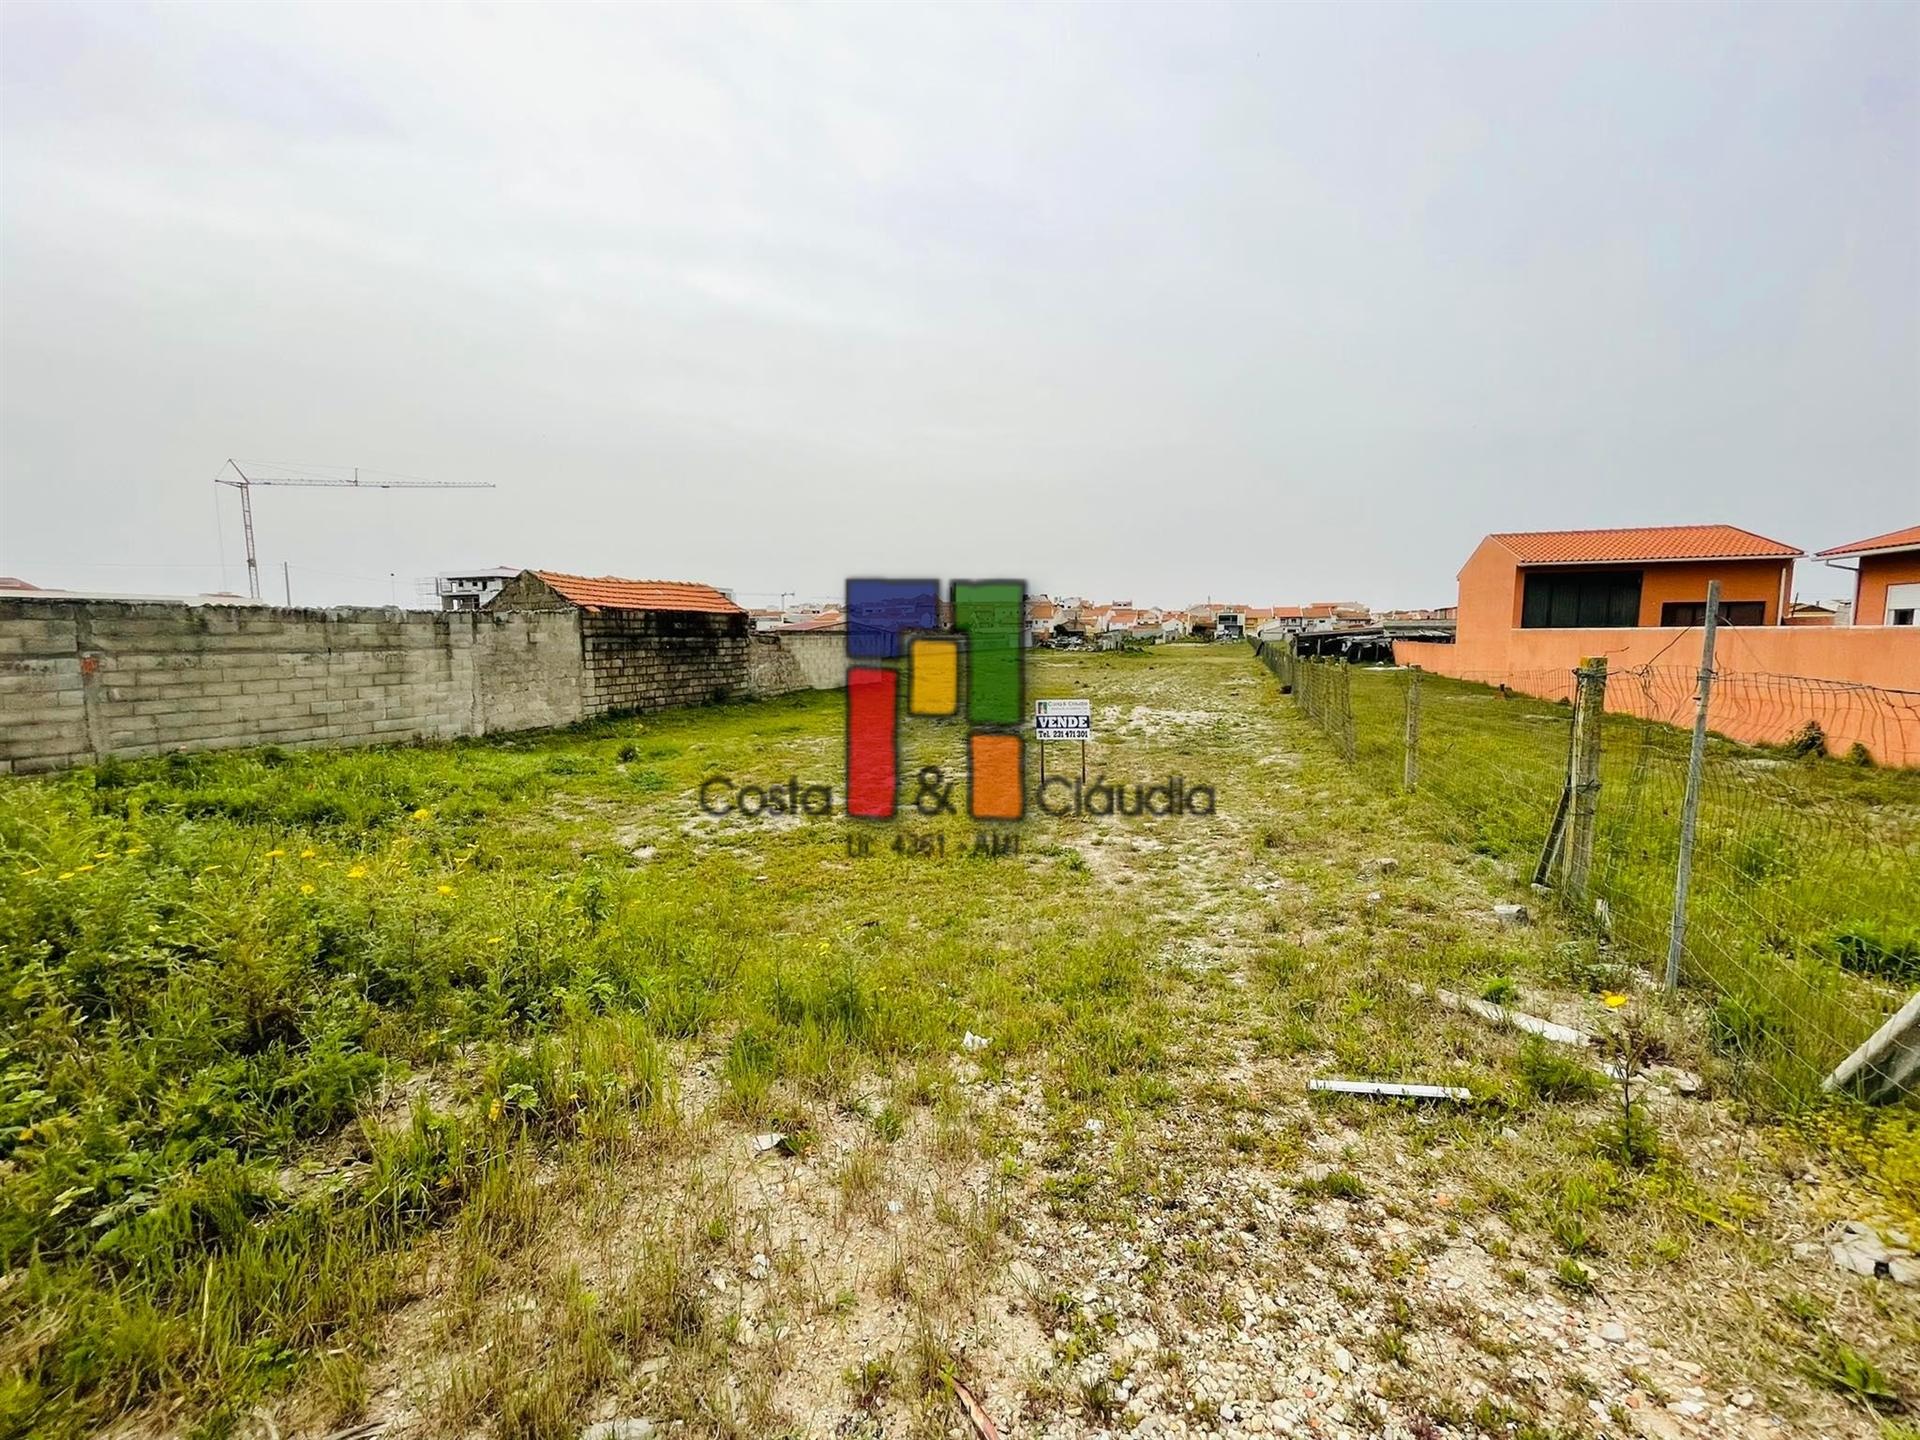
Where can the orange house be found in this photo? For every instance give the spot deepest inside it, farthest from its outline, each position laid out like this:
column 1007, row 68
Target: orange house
column 1886, row 590
column 1533, row 605
column 1622, row 579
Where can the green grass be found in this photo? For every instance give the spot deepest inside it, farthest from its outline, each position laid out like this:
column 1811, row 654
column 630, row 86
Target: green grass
column 211, row 965
column 1804, row 920
column 280, row 1030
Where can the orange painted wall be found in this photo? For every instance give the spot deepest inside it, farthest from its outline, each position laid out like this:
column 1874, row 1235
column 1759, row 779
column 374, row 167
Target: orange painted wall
column 1739, row 580
column 1877, row 572
column 1492, row 591
column 1776, row 678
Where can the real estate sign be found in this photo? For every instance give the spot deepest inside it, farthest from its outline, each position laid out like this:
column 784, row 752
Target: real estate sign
column 1063, row 719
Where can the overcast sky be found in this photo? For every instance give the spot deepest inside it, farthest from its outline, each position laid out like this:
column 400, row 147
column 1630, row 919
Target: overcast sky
column 1270, row 303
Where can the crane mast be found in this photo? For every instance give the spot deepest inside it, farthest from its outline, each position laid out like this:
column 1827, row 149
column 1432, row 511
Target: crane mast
column 245, row 484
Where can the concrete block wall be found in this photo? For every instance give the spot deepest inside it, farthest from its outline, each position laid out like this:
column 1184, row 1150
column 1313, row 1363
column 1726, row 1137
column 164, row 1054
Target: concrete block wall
column 651, row 660
column 782, row 662
column 83, row 680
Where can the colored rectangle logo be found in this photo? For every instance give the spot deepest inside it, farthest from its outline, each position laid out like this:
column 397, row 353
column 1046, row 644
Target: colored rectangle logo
column 933, row 686
column 881, row 612
column 990, row 613
column 996, row 789
column 873, row 761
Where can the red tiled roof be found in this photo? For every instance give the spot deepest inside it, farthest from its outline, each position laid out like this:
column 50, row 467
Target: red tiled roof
column 1651, row 542
column 1907, row 539
column 825, row 620
column 608, row 592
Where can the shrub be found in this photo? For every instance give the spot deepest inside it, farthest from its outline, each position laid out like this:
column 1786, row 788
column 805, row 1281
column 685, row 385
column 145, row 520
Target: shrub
column 1809, row 739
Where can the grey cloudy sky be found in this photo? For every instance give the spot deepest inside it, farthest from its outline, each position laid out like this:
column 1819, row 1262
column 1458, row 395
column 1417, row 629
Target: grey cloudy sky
column 1264, row 302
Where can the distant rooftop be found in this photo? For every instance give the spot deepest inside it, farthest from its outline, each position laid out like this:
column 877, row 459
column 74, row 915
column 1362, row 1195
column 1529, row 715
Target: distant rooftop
column 1907, row 539
column 609, row 592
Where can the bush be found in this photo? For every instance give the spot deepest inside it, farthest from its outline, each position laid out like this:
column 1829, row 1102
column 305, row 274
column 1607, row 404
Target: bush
column 1809, row 739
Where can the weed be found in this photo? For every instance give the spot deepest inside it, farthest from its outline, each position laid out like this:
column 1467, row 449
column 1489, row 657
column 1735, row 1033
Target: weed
column 1844, row 1370
column 1546, row 1074
column 1571, row 1275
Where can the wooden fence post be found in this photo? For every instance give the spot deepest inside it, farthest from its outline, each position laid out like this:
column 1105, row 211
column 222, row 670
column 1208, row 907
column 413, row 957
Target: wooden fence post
column 1411, row 776
column 1583, row 810
column 1690, row 804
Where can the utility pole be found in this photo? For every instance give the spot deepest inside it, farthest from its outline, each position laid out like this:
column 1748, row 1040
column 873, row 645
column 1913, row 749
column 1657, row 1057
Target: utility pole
column 246, row 483
column 1690, row 806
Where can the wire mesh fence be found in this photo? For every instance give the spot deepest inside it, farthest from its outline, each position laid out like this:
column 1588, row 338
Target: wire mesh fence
column 1803, row 918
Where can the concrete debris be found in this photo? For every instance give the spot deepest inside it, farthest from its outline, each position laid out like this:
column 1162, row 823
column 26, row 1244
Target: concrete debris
column 1512, row 915
column 1859, row 1249
column 1504, row 1015
column 1375, row 1089
column 971, row 1042
column 1614, row 1333
column 771, row 1141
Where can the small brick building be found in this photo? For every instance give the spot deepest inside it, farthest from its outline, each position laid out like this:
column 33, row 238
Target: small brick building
column 645, row 644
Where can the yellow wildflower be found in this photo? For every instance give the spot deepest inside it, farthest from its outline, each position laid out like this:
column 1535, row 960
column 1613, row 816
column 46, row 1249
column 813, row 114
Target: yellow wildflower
column 83, row 868
column 358, row 872
column 275, row 854
column 495, row 939
column 423, row 813
column 307, row 889
column 1613, row 1001
column 446, row 889
column 66, row 875
column 103, row 854
column 496, row 1110
column 308, row 853
column 35, row 871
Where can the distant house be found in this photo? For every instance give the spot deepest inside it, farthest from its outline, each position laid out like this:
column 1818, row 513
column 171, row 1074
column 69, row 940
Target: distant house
column 1886, row 589
column 647, row 644
column 1818, row 612
column 1535, row 605
column 1623, row 579
column 473, row 589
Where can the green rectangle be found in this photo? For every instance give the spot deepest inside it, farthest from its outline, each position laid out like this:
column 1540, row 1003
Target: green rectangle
column 991, row 614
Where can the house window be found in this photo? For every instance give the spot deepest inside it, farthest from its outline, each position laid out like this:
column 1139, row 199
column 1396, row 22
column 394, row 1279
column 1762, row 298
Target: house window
column 1903, row 604
column 1580, row 599
column 1679, row 613
column 1901, row 617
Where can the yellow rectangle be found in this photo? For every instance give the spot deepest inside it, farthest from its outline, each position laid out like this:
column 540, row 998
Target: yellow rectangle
column 935, row 667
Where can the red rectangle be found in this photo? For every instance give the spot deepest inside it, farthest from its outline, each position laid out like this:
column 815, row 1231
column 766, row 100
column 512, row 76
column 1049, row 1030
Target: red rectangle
column 873, row 764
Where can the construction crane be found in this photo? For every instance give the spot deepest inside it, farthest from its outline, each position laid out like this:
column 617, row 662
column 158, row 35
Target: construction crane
column 246, row 483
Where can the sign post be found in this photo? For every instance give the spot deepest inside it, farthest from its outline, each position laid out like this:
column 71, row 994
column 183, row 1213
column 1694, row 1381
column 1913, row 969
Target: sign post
column 1063, row 720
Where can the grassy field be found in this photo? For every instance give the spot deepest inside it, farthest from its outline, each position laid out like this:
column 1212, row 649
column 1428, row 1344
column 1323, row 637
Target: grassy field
column 435, row 1088
column 1804, row 922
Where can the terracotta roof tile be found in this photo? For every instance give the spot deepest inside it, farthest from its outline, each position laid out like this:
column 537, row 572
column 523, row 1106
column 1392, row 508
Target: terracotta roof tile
column 608, row 592
column 1651, row 542
column 1907, row 539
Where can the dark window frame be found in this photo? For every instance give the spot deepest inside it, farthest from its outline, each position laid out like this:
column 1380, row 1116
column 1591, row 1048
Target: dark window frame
column 1585, row 599
column 1690, row 614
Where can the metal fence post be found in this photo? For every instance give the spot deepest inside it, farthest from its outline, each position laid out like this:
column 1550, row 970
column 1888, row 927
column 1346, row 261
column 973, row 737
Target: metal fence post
column 1590, row 703
column 1690, row 806
column 1411, row 776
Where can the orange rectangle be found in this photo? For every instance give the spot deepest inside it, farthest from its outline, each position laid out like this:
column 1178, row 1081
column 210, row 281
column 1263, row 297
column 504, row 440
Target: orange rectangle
column 995, row 785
